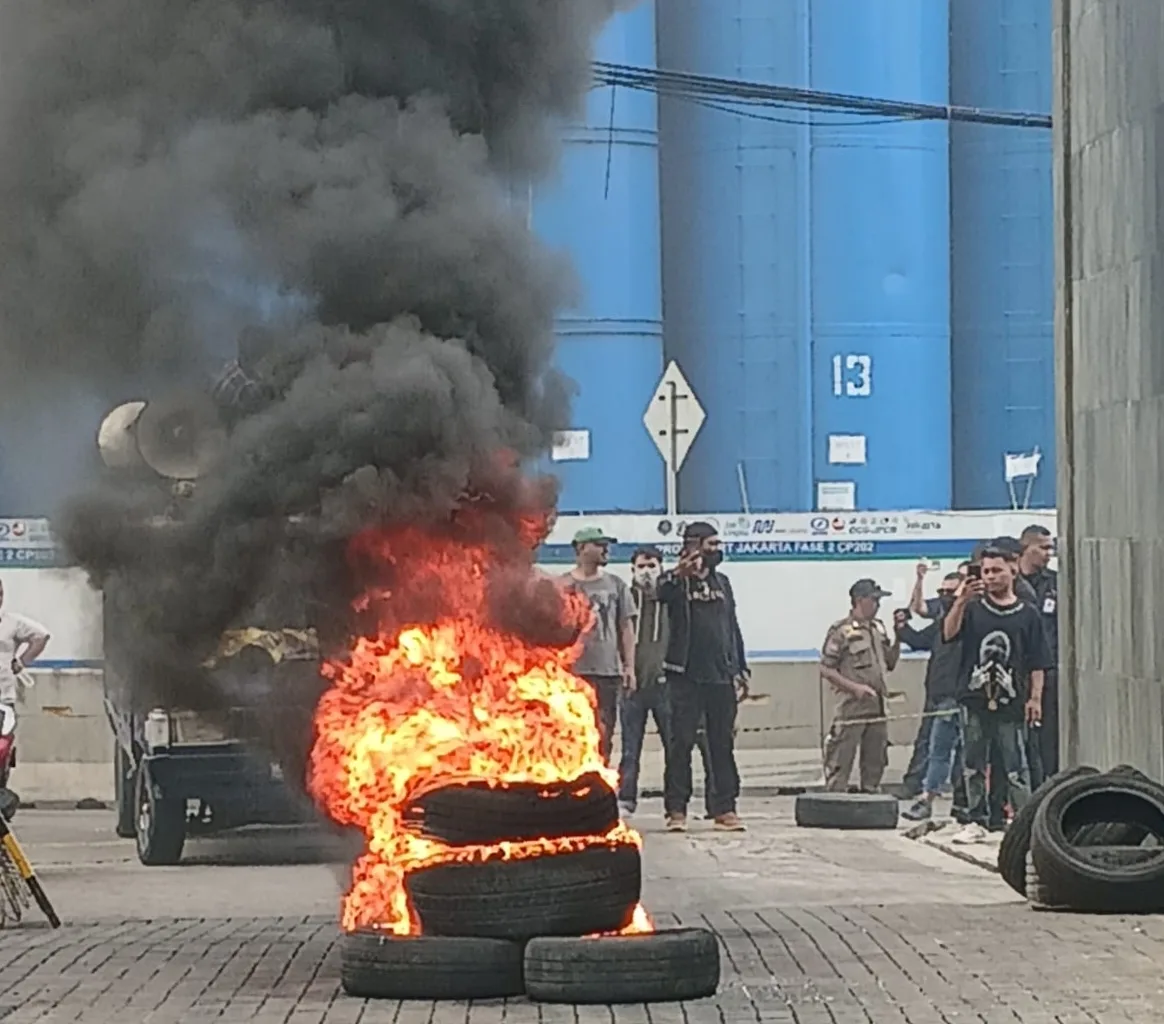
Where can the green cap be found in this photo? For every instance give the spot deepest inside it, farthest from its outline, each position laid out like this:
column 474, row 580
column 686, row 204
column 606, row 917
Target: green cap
column 593, row 535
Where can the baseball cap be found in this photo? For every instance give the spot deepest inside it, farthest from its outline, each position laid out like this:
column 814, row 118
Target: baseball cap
column 867, row 588
column 593, row 535
column 699, row 530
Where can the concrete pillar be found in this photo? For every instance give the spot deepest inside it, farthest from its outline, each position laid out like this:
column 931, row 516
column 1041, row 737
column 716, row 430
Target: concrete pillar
column 1109, row 184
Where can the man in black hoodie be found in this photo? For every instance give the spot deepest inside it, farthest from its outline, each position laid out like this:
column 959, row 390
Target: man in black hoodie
column 705, row 660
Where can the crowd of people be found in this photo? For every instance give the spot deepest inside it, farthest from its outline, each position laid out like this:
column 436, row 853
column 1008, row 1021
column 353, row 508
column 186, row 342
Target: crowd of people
column 990, row 726
column 668, row 647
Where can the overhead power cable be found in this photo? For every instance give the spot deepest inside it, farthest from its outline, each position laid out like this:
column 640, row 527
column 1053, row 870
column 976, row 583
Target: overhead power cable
column 706, row 90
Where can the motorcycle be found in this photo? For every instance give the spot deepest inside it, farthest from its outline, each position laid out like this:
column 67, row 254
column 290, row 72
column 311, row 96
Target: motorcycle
column 9, row 801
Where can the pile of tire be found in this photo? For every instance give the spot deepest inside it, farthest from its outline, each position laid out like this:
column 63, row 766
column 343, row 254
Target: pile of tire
column 541, row 926
column 1089, row 841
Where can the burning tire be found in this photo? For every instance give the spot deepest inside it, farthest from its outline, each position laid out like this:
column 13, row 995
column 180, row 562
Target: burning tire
column 374, row 965
column 665, row 966
column 595, row 890
column 480, row 813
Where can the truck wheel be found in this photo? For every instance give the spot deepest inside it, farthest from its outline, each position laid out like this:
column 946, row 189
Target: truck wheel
column 161, row 824
column 124, row 792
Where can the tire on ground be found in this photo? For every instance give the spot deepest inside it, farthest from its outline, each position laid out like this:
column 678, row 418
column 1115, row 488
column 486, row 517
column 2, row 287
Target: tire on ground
column 1082, row 881
column 846, row 810
column 595, row 890
column 1113, row 834
column 479, row 813
column 1016, row 840
column 665, row 966
column 375, row 965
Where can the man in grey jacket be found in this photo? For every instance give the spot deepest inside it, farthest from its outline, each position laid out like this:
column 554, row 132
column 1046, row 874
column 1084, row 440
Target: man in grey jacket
column 649, row 696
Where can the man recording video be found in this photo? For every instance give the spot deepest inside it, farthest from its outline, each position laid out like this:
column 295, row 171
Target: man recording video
column 1000, row 684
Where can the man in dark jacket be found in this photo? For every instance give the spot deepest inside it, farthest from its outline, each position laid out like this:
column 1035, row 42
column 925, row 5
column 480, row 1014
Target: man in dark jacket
column 943, row 757
column 705, row 660
column 1034, row 569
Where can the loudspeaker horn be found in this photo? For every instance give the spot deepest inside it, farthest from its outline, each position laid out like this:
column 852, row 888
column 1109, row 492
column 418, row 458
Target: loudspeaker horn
column 117, row 439
column 181, row 436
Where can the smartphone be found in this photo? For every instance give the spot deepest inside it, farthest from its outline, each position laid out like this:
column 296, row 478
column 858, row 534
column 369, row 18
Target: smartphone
column 974, row 572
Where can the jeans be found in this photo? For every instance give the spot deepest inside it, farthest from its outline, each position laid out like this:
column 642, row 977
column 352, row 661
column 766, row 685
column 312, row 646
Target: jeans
column 716, row 704
column 633, row 710
column 945, row 746
column 913, row 780
column 984, row 732
column 606, row 693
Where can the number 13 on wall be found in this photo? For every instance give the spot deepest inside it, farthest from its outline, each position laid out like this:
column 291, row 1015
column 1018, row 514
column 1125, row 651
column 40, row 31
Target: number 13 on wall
column 853, row 376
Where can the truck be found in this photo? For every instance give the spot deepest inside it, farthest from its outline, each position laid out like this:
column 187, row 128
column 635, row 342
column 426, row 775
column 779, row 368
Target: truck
column 181, row 769
column 181, row 772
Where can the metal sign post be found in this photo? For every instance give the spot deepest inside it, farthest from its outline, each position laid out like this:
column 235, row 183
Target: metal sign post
column 673, row 419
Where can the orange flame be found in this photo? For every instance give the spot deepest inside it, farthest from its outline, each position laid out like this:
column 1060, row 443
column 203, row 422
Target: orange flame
column 447, row 698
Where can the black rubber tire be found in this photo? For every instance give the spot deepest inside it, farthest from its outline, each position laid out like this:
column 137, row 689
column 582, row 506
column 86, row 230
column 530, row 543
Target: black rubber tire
column 1106, row 834
column 1016, row 840
column 479, row 813
column 374, row 965
column 583, row 893
column 124, row 792
column 161, row 824
column 846, row 810
column 667, row 966
column 1118, row 856
column 1080, row 882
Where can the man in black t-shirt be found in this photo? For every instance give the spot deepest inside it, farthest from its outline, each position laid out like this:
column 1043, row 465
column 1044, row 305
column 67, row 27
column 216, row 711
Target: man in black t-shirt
column 1000, row 683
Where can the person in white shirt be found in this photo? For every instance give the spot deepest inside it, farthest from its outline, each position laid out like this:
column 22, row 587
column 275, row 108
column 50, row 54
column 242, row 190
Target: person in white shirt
column 22, row 641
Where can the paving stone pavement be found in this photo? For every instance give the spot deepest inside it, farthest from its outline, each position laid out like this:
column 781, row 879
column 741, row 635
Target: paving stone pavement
column 802, row 943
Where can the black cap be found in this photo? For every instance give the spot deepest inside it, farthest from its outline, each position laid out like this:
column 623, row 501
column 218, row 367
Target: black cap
column 699, row 530
column 867, row 588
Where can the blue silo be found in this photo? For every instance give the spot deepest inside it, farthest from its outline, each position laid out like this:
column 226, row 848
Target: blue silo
column 603, row 210
column 735, row 255
column 1002, row 251
column 880, row 256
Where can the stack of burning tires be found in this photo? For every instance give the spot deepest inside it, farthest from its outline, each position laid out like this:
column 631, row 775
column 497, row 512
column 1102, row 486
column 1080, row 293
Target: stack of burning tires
column 1089, row 841
column 563, row 926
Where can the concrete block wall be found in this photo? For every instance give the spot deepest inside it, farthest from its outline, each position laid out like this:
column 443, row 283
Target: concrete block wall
column 1109, row 184
column 65, row 745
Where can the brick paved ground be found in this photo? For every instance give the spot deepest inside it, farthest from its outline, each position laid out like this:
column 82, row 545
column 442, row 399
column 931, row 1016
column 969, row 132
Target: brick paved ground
column 816, row 929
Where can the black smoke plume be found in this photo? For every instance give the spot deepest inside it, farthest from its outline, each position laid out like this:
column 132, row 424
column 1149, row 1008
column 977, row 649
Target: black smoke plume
column 323, row 188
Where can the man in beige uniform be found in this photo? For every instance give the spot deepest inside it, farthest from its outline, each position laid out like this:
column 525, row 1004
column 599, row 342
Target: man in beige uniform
column 856, row 656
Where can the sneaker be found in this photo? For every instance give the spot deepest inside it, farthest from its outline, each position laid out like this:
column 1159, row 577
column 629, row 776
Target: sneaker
column 626, row 810
column 730, row 822
column 972, row 833
column 676, row 822
column 919, row 810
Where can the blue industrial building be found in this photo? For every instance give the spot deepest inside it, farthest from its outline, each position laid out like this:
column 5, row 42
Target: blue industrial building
column 1002, row 271
column 861, row 304
column 603, row 209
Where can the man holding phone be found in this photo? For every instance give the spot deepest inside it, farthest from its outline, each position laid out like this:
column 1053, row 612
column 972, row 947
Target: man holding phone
column 1000, row 683
column 705, row 660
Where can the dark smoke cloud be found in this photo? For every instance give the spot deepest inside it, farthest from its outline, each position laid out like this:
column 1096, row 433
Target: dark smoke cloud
column 326, row 182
